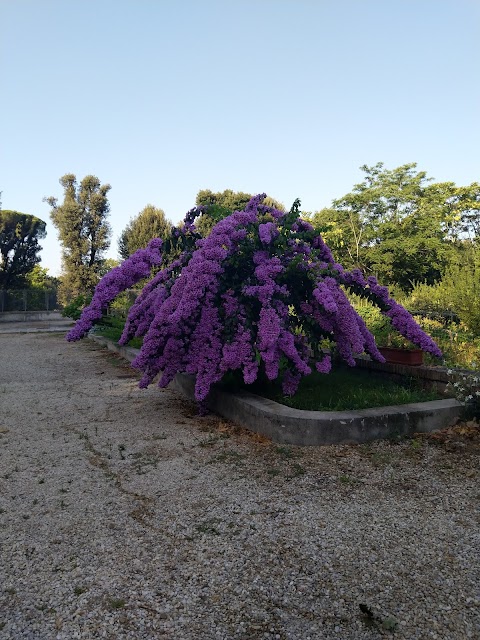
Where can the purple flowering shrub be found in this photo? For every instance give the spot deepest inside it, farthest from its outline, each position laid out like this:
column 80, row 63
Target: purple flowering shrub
column 257, row 296
column 136, row 268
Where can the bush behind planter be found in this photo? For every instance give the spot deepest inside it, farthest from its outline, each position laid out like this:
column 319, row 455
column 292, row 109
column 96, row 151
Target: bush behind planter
column 460, row 346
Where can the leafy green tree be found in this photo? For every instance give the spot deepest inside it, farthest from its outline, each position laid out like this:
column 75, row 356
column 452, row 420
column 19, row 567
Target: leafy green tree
column 84, row 233
column 412, row 250
column 228, row 199
column 149, row 223
column 19, row 246
column 459, row 290
column 464, row 209
column 108, row 265
column 394, row 224
column 38, row 278
column 460, row 287
column 271, row 202
column 345, row 233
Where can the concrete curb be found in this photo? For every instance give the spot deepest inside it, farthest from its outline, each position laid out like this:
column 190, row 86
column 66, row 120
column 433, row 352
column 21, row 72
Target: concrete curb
column 30, row 316
column 41, row 326
column 285, row 425
column 129, row 353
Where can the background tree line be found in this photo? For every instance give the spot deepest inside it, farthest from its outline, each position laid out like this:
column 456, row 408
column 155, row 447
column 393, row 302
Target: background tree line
column 401, row 227
column 19, row 246
column 417, row 236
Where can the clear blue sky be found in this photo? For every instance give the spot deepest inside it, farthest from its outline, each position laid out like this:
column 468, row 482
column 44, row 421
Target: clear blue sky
column 162, row 98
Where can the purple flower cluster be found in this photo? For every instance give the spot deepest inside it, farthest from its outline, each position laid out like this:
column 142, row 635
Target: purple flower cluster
column 402, row 321
column 258, row 294
column 267, row 232
column 186, row 333
column 137, row 267
column 150, row 300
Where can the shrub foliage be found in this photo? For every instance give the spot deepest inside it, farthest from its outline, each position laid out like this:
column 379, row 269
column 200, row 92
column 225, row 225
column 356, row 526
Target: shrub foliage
column 259, row 295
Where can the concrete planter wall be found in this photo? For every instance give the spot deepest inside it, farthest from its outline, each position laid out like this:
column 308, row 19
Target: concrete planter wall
column 430, row 377
column 291, row 426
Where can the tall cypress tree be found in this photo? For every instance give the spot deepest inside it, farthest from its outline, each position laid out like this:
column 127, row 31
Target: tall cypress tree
column 149, row 223
column 84, row 233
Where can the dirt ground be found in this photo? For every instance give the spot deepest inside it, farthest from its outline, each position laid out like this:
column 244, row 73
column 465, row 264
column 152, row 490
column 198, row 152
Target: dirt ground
column 125, row 515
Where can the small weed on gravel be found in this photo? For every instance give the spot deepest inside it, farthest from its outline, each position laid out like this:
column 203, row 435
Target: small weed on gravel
column 381, row 459
column 208, row 526
column 296, row 470
column 208, row 442
column 273, row 472
column 285, row 452
column 232, row 457
column 370, row 619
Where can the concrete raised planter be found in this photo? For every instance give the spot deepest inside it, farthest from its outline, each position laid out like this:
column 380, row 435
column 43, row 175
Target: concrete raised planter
column 291, row 426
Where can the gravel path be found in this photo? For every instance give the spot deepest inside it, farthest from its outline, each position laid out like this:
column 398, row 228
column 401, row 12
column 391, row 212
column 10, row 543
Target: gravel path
column 125, row 515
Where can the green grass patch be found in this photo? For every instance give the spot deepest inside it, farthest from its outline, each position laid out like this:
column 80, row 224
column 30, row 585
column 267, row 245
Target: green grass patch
column 344, row 390
column 112, row 328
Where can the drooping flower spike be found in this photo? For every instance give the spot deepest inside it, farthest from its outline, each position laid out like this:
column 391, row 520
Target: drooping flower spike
column 131, row 271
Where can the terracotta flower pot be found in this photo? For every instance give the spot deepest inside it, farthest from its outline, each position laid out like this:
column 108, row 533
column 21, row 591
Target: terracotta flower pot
column 395, row 355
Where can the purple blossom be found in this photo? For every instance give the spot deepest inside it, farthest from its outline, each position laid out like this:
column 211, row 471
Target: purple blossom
column 148, row 302
column 137, row 267
column 290, row 382
column 323, row 294
column 401, row 319
column 267, row 232
column 325, row 365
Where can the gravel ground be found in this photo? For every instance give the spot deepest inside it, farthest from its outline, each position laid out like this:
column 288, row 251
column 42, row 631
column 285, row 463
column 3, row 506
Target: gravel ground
column 125, row 515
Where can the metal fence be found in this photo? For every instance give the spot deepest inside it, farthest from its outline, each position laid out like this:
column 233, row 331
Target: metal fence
column 28, row 300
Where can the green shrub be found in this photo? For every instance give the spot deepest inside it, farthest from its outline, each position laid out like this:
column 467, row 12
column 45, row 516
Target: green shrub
column 112, row 327
column 122, row 303
column 381, row 328
column 458, row 293
column 459, row 344
column 460, row 347
column 74, row 308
